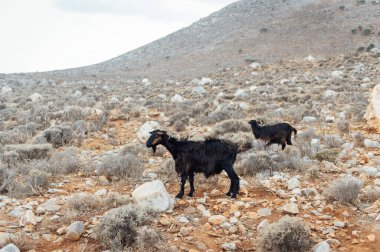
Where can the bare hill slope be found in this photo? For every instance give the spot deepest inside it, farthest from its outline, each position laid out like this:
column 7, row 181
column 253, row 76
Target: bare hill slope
column 266, row 31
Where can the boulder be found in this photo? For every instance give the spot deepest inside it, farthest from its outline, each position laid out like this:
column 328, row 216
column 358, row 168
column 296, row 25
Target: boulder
column 75, row 230
column 27, row 217
column 322, row 247
column 153, row 194
column 143, row 133
column 177, row 98
column 290, row 208
column 6, row 89
column 372, row 114
column 10, row 248
column 199, row 90
column 217, row 219
column 293, row 183
column 371, row 144
column 36, row 97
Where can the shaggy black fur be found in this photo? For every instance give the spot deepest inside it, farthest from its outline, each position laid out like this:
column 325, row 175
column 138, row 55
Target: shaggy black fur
column 280, row 133
column 209, row 157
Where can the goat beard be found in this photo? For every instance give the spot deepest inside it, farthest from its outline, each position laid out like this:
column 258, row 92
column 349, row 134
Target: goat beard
column 154, row 149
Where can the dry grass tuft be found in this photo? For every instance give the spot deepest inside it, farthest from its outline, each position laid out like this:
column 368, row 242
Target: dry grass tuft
column 287, row 234
column 344, row 190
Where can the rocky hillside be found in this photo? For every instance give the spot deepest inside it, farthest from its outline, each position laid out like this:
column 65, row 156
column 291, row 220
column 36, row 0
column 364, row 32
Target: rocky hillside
column 73, row 158
column 265, row 31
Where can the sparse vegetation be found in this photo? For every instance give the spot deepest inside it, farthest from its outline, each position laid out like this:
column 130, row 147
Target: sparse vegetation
column 328, row 154
column 119, row 228
column 345, row 190
column 343, row 126
column 121, row 166
column 64, row 162
column 287, row 234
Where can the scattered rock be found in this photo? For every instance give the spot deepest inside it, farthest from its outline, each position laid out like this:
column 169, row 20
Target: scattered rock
column 293, row 183
column 229, row 246
column 371, row 237
column 322, row 247
column 339, row 224
column 290, row 208
column 165, row 221
column 373, row 110
column 183, row 219
column 309, row 119
column 75, row 230
column 263, row 224
column 177, row 98
column 264, row 212
column 153, row 194
column 36, row 97
column 62, row 230
column 143, row 133
column 199, row 90
column 371, row 144
column 27, row 217
column 103, row 181
column 10, row 248
column 5, row 238
column 204, row 211
column 6, row 89
column 101, row 192
column 217, row 219
column 50, row 205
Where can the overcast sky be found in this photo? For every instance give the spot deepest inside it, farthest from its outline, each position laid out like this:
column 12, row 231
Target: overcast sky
column 41, row 35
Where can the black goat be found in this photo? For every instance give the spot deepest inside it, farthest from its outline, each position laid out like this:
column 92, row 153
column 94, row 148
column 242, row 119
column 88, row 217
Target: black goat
column 209, row 157
column 280, row 133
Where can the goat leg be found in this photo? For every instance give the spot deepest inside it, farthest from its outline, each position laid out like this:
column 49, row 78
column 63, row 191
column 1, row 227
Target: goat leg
column 191, row 180
column 234, row 187
column 182, row 191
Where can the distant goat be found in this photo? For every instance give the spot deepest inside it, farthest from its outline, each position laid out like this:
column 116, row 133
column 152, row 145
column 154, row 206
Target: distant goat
column 280, row 133
column 209, row 157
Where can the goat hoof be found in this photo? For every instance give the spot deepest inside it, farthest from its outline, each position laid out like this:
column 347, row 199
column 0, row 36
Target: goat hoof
column 179, row 196
column 190, row 195
column 233, row 196
column 228, row 194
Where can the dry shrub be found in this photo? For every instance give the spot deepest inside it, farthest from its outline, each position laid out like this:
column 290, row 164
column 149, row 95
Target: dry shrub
column 119, row 228
column 345, row 189
column 328, row 155
column 57, row 135
column 343, row 126
column 251, row 163
column 303, row 141
column 168, row 172
column 122, row 166
column 38, row 179
column 231, row 125
column 333, row 140
column 358, row 139
column 30, row 151
column 6, row 178
column 134, row 149
column 179, row 117
column 223, row 113
column 83, row 202
column 151, row 240
column 64, row 162
column 242, row 139
column 287, row 234
column 179, row 126
column 370, row 194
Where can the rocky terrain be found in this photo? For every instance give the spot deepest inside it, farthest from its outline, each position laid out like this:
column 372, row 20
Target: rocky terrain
column 75, row 174
column 74, row 151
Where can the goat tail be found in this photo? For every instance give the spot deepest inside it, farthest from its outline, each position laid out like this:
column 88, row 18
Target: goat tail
column 295, row 132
